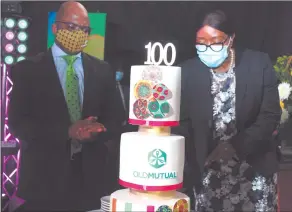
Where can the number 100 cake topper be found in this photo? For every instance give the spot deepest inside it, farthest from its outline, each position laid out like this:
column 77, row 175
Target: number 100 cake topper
column 162, row 54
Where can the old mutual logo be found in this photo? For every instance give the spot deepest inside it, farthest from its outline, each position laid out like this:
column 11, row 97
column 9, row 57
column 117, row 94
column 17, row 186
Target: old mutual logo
column 157, row 158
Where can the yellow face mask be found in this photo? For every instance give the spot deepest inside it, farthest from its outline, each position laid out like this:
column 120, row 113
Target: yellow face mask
column 72, row 41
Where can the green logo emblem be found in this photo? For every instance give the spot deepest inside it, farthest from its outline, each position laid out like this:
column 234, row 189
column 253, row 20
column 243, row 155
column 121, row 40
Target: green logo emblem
column 157, row 158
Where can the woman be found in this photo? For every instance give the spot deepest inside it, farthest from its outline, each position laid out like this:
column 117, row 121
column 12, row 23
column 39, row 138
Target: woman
column 230, row 108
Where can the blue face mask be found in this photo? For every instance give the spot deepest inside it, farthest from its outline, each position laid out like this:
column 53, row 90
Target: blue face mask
column 119, row 75
column 211, row 58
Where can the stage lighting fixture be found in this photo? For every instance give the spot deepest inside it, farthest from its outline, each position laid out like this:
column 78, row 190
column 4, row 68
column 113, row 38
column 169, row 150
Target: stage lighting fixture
column 9, row 23
column 21, row 48
column 14, row 38
column 22, row 36
column 9, row 60
column 9, row 48
column 22, row 23
column 20, row 58
column 9, row 35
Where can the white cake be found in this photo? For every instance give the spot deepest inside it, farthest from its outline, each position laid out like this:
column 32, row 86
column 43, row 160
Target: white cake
column 155, row 95
column 124, row 200
column 151, row 162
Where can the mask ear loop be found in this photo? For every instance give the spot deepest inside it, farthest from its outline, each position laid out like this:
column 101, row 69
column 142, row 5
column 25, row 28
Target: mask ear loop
column 85, row 43
column 229, row 42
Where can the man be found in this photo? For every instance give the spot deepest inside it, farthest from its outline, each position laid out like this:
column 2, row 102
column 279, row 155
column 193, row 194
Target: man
column 63, row 109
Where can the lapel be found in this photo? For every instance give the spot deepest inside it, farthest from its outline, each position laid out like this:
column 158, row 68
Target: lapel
column 87, row 68
column 92, row 84
column 53, row 83
column 242, row 75
column 201, row 89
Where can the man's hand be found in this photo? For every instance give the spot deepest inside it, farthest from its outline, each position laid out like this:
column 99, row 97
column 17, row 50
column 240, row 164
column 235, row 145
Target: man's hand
column 85, row 129
column 221, row 154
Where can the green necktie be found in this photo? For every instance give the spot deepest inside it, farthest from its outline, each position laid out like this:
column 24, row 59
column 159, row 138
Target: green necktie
column 72, row 91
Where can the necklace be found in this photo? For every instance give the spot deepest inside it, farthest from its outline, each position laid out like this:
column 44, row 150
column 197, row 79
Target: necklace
column 228, row 73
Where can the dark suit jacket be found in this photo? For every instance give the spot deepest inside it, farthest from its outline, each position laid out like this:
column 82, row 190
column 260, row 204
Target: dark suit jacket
column 38, row 116
column 257, row 110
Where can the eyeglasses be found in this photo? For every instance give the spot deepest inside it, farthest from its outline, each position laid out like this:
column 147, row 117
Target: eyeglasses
column 71, row 27
column 216, row 47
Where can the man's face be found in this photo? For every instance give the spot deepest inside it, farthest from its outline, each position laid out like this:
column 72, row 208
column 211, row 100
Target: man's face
column 72, row 30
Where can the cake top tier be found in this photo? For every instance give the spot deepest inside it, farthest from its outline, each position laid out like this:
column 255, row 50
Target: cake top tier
column 155, row 89
column 155, row 93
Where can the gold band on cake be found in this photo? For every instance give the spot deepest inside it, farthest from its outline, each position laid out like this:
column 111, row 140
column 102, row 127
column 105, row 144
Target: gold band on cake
column 155, row 194
column 155, row 130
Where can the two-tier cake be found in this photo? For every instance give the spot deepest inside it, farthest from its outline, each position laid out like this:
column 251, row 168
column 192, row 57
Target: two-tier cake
column 152, row 159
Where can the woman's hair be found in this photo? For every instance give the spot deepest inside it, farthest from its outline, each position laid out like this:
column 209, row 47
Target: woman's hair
column 218, row 20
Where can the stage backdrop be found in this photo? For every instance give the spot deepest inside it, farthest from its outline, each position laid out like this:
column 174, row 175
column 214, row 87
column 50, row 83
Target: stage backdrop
column 95, row 46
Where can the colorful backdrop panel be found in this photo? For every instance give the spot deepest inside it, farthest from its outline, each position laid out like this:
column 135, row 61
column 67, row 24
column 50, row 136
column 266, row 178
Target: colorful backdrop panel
column 95, row 45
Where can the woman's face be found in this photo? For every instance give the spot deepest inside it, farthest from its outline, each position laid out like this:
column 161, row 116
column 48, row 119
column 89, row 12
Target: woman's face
column 208, row 35
column 213, row 46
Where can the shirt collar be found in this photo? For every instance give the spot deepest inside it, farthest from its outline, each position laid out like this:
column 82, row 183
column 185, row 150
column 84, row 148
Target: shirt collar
column 58, row 52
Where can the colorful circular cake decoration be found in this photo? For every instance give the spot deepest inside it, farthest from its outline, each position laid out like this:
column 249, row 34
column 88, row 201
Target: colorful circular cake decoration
column 153, row 106
column 160, row 92
column 154, row 109
column 158, row 109
column 143, row 90
column 164, row 208
column 140, row 109
column 181, row 206
column 152, row 73
column 165, row 107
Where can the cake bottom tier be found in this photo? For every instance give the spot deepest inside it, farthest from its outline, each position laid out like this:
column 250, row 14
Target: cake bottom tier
column 124, row 200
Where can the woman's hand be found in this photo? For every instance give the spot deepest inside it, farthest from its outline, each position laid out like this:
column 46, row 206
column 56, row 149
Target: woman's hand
column 221, row 154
